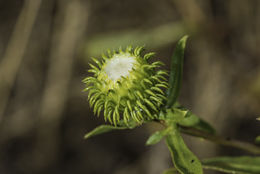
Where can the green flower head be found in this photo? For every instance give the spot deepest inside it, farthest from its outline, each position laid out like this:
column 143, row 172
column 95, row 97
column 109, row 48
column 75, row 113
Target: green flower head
column 126, row 87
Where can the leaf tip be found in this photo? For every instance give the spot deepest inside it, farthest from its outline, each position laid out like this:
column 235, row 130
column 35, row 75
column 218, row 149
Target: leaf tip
column 86, row 136
column 183, row 41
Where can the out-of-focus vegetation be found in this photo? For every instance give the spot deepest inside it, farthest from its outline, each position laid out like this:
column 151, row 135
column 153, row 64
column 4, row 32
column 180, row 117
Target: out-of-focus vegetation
column 44, row 50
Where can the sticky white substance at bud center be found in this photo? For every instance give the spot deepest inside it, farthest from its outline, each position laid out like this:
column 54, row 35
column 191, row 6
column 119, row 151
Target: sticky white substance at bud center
column 119, row 65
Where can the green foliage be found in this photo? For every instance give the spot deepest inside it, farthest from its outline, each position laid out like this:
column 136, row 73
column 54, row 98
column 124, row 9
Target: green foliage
column 184, row 160
column 191, row 120
column 176, row 72
column 157, row 136
column 176, row 114
column 234, row 165
column 102, row 129
column 107, row 128
column 184, row 117
column 139, row 98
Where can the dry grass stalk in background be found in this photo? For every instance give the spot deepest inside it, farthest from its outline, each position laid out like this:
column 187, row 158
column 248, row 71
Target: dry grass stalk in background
column 15, row 50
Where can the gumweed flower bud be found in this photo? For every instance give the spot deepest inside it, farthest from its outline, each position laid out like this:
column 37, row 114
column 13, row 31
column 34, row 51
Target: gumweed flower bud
column 126, row 87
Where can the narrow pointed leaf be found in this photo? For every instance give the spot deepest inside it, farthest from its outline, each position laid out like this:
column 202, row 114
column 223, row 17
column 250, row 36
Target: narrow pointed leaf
column 176, row 72
column 176, row 115
column 234, row 165
column 107, row 128
column 191, row 120
column 183, row 159
column 156, row 137
column 103, row 129
column 184, row 117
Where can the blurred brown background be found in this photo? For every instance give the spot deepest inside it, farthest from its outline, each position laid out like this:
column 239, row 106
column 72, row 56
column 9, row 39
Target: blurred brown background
column 45, row 47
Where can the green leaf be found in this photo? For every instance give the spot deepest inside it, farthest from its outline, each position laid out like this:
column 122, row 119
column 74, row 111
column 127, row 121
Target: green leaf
column 185, row 118
column 107, row 128
column 234, row 165
column 191, row 120
column 102, row 129
column 171, row 171
column 176, row 72
column 176, row 114
column 156, row 137
column 183, row 159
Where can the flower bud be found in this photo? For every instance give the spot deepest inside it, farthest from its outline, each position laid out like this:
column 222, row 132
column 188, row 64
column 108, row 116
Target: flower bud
column 126, row 87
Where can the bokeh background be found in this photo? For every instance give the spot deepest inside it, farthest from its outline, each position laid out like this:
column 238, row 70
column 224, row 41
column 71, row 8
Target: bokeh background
column 45, row 48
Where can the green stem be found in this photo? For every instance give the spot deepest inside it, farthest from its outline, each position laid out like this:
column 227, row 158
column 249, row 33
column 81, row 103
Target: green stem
column 217, row 139
column 222, row 141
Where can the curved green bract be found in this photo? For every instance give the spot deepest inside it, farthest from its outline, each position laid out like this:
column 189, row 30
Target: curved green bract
column 138, row 95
